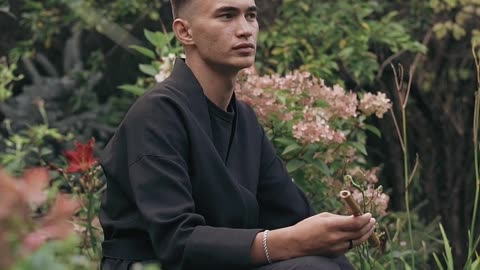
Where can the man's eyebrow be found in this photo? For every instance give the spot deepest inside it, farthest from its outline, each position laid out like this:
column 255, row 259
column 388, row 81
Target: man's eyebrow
column 234, row 9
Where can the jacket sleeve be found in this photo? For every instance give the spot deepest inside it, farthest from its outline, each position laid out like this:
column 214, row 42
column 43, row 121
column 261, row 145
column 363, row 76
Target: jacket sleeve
column 281, row 202
column 162, row 192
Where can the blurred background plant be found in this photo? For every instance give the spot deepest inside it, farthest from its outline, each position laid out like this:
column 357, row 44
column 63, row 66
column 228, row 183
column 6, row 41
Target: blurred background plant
column 62, row 63
column 26, row 224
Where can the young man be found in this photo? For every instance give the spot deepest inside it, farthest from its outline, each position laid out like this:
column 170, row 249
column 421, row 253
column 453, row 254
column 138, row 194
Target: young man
column 194, row 183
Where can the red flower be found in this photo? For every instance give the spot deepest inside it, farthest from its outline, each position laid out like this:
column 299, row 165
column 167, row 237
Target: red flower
column 81, row 159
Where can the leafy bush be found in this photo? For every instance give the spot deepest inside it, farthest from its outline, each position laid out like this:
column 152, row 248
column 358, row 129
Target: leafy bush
column 333, row 38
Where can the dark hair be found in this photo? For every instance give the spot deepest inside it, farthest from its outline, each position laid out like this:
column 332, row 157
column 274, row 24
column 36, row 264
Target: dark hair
column 177, row 5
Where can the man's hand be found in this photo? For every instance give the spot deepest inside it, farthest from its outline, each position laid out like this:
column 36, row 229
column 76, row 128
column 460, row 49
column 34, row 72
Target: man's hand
column 324, row 234
column 328, row 234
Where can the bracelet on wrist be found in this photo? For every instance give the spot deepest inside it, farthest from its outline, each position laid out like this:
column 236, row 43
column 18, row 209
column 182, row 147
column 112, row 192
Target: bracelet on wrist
column 265, row 248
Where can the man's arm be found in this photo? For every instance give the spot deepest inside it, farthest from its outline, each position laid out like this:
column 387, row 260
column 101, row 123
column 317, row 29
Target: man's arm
column 324, row 234
column 285, row 210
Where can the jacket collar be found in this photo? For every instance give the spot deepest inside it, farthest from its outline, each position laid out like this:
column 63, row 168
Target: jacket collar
column 185, row 81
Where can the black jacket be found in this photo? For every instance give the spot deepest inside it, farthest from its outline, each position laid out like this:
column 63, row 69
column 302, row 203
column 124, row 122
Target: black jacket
column 171, row 197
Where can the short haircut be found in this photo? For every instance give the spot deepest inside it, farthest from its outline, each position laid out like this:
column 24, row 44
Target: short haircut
column 177, row 5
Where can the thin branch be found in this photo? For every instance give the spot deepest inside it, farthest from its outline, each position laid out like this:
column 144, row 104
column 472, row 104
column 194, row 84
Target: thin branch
column 398, row 80
column 398, row 130
column 415, row 167
column 410, row 79
column 387, row 62
column 477, row 61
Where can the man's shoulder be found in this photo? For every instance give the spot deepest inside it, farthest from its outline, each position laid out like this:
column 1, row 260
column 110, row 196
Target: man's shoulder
column 164, row 91
column 162, row 98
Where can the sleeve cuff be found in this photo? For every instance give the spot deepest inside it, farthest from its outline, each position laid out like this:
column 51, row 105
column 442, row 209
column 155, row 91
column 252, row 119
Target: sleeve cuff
column 219, row 248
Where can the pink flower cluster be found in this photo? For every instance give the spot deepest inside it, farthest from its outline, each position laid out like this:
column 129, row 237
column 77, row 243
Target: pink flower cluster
column 257, row 92
column 313, row 106
column 314, row 128
column 18, row 197
column 377, row 104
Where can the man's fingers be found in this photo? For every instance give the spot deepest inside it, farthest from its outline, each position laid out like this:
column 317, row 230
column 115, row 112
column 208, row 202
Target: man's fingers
column 366, row 229
column 363, row 238
column 347, row 235
column 352, row 223
column 348, row 244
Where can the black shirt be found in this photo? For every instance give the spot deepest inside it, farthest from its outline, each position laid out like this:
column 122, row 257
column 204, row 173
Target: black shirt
column 222, row 126
column 174, row 194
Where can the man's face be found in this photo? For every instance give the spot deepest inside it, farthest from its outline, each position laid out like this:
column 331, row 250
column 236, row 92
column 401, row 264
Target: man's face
column 225, row 32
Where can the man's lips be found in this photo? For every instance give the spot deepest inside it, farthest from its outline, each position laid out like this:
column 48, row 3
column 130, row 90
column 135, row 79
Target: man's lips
column 244, row 46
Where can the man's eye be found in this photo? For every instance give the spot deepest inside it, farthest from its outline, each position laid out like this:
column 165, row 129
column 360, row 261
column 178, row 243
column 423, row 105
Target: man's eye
column 226, row 16
column 252, row 16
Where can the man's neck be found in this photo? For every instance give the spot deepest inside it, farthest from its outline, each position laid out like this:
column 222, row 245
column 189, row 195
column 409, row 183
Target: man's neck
column 217, row 86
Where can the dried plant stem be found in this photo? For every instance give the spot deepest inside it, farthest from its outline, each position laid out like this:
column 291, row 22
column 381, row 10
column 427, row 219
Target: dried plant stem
column 402, row 135
column 472, row 243
column 357, row 211
column 407, row 182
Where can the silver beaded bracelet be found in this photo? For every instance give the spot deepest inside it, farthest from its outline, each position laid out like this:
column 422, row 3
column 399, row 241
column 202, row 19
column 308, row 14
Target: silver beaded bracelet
column 265, row 236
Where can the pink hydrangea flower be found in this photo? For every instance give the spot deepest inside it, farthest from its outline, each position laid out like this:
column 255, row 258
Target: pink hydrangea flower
column 377, row 104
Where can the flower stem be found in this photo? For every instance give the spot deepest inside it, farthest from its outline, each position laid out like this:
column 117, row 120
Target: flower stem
column 90, row 214
column 407, row 178
column 476, row 115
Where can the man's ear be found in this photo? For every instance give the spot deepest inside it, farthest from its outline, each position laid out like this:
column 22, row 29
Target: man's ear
column 183, row 31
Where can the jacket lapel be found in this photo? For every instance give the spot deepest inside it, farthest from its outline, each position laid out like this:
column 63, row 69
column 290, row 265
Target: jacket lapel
column 186, row 82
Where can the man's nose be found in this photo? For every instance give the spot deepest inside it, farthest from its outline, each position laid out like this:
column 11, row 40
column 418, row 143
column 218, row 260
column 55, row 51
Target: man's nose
column 245, row 28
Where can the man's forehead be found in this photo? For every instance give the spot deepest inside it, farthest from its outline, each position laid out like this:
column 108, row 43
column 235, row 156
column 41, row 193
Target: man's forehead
column 212, row 5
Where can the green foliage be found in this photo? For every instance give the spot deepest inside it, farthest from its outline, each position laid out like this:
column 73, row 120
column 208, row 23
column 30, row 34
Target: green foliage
column 447, row 255
column 7, row 77
column 165, row 49
column 29, row 147
column 47, row 18
column 332, row 37
column 57, row 255
column 463, row 11
column 395, row 252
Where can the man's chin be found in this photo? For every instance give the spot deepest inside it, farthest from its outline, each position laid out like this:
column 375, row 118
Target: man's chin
column 245, row 62
column 236, row 64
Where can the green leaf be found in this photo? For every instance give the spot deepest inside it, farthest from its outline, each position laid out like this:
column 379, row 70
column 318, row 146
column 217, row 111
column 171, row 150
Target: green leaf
column 148, row 69
column 137, row 91
column 148, row 53
column 360, row 147
column 322, row 103
column 45, row 151
column 447, row 248
column 156, row 38
column 291, row 148
column 476, row 263
column 437, row 261
column 284, row 141
column 294, row 165
column 407, row 266
column 323, row 167
column 374, row 130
